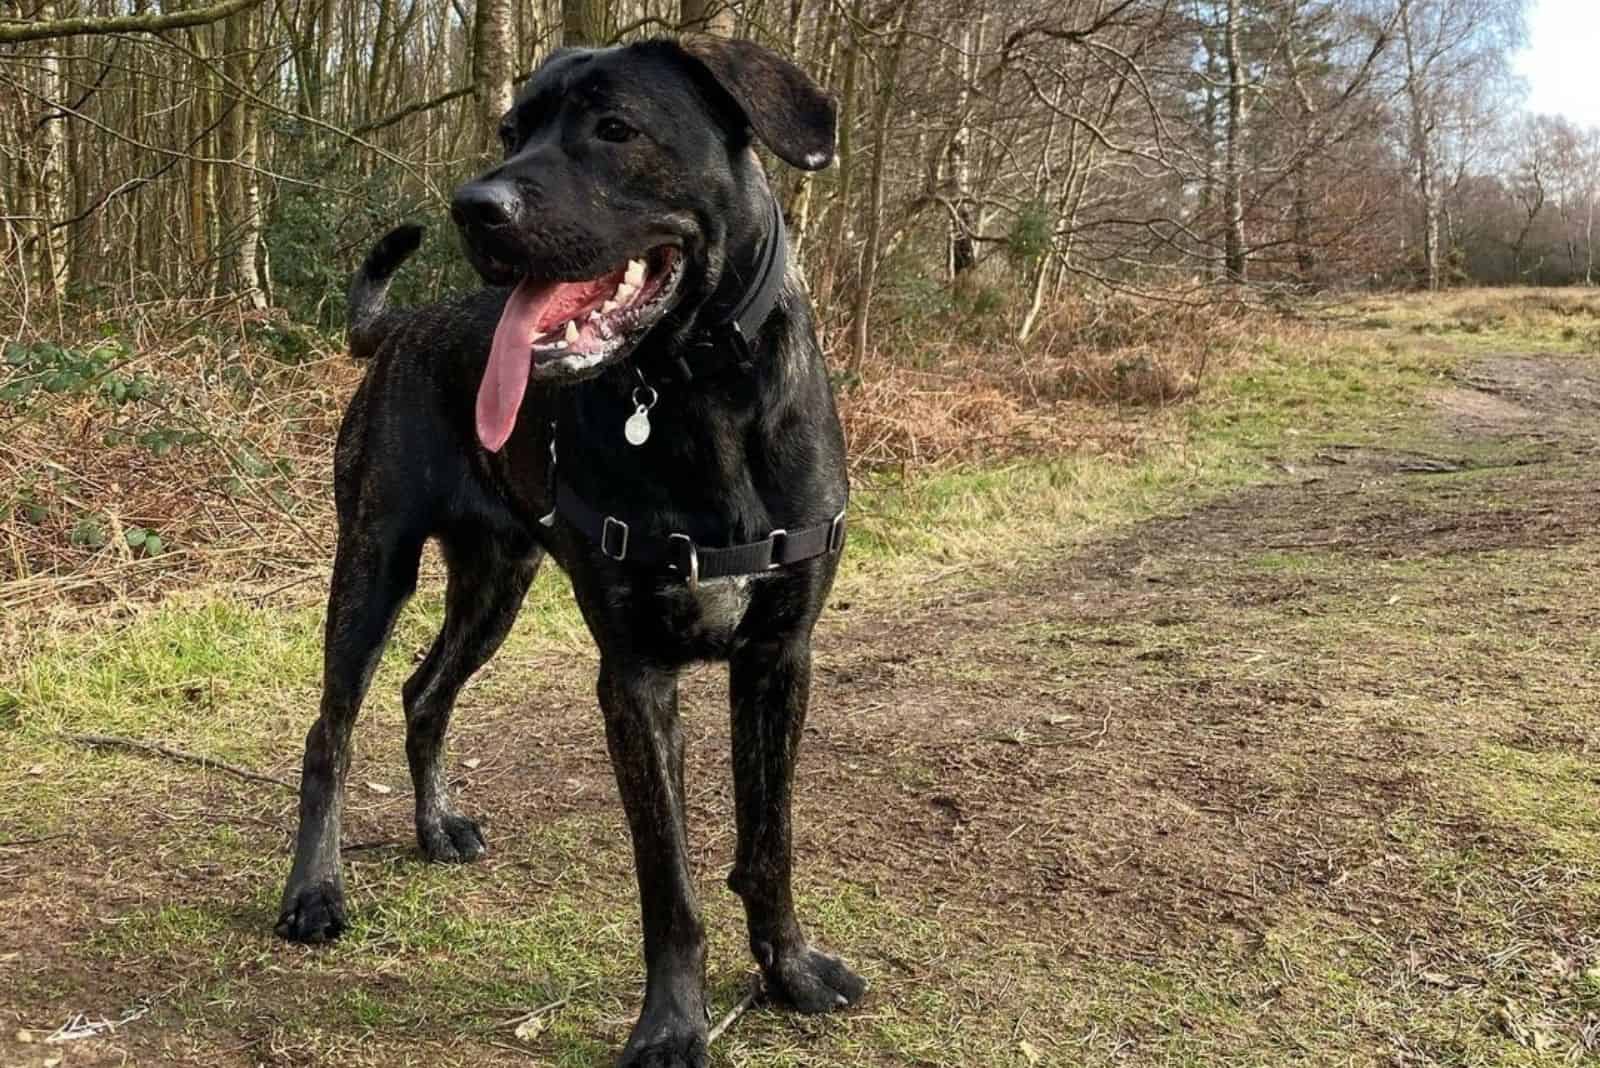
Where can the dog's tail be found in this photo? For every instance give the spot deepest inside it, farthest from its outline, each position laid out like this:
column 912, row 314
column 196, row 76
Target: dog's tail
column 368, row 322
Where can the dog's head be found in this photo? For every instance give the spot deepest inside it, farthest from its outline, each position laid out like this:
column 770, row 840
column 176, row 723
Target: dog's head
column 626, row 171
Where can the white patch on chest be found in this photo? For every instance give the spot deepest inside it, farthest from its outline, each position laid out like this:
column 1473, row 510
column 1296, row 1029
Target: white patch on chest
column 723, row 601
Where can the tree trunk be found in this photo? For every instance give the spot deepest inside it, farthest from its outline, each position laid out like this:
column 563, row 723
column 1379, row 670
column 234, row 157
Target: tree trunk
column 1305, row 253
column 962, row 254
column 708, row 16
column 862, row 305
column 246, row 270
column 1208, row 185
column 55, row 175
column 1421, row 131
column 1588, row 245
column 370, row 104
column 845, row 152
column 1041, row 268
column 494, row 54
column 242, row 212
column 583, row 22
column 1234, row 254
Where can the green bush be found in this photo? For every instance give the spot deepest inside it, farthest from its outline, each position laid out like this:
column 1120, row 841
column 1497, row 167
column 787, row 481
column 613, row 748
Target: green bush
column 45, row 367
column 316, row 240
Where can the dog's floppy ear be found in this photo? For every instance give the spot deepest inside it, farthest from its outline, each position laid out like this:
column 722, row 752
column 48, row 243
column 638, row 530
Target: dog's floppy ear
column 786, row 109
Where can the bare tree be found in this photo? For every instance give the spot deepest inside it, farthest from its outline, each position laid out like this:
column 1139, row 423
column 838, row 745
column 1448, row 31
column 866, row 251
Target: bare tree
column 494, row 51
column 1452, row 48
column 584, row 22
column 708, row 16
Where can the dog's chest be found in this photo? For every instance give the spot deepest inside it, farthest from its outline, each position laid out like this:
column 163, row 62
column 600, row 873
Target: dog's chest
column 719, row 605
column 691, row 624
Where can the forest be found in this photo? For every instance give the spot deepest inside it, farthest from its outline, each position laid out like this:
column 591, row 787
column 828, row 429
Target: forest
column 1209, row 674
column 994, row 156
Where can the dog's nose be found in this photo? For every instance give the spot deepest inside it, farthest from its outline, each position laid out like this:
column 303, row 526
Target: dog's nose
column 488, row 204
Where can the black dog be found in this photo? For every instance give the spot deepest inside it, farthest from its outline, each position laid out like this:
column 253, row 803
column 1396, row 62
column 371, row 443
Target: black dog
column 648, row 403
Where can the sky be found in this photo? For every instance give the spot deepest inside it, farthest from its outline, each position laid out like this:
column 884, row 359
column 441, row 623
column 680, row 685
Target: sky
column 1562, row 61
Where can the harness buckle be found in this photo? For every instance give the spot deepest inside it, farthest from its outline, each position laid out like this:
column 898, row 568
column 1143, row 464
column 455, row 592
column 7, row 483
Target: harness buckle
column 691, row 564
column 774, row 556
column 744, row 359
column 613, row 523
column 836, row 533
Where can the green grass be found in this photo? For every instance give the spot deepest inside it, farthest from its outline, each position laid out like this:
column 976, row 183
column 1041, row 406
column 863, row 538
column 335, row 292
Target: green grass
column 1550, row 796
column 1433, row 944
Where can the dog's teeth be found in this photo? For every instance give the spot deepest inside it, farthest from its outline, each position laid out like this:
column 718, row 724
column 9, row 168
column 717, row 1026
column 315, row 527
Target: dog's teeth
column 634, row 276
column 626, row 290
column 572, row 330
column 608, row 307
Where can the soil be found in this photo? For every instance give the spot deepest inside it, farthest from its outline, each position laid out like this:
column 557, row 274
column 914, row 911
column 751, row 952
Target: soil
column 1172, row 736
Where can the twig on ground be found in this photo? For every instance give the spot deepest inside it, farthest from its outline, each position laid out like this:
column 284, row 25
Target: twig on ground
column 377, row 843
column 513, row 1022
column 119, row 742
column 17, row 843
column 79, row 1025
column 737, row 1011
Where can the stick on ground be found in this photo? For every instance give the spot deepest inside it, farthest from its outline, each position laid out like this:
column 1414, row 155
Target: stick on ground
column 735, row 1012
column 116, row 741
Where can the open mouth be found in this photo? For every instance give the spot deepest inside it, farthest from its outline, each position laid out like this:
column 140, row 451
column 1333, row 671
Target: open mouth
column 566, row 329
column 594, row 318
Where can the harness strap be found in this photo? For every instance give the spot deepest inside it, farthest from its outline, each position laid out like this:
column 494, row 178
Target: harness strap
column 617, row 539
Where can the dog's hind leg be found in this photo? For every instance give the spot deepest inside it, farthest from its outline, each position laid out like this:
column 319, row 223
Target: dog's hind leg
column 485, row 592
column 372, row 577
column 769, row 686
column 642, row 732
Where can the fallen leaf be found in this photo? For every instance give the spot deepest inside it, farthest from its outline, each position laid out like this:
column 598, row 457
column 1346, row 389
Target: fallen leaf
column 1029, row 1053
column 380, row 788
column 471, row 762
column 529, row 1029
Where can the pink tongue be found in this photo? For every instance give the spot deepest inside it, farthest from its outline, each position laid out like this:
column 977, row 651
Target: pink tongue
column 505, row 379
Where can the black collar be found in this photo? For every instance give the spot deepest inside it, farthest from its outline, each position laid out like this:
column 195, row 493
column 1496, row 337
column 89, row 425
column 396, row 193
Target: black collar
column 726, row 345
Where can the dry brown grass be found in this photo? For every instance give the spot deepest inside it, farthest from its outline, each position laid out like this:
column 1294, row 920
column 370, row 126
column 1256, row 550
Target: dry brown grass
column 227, row 459
column 1086, row 381
column 1565, row 317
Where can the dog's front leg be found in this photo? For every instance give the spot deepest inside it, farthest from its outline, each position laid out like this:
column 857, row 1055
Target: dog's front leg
column 641, row 713
column 769, row 684
column 371, row 580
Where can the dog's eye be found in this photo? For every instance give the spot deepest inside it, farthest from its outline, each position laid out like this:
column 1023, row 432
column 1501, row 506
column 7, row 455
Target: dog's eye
column 614, row 130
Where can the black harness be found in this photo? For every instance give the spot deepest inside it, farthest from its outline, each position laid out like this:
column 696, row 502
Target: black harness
column 719, row 348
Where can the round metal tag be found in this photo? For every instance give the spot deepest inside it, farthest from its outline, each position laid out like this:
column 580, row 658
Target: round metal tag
column 637, row 428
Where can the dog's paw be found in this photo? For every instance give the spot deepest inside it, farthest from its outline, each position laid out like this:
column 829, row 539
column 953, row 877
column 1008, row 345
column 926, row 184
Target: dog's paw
column 668, row 1035
column 676, row 1051
column 312, row 913
column 812, row 981
column 453, row 839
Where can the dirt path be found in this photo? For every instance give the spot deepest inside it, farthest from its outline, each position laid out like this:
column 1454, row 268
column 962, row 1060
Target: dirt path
column 1305, row 774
